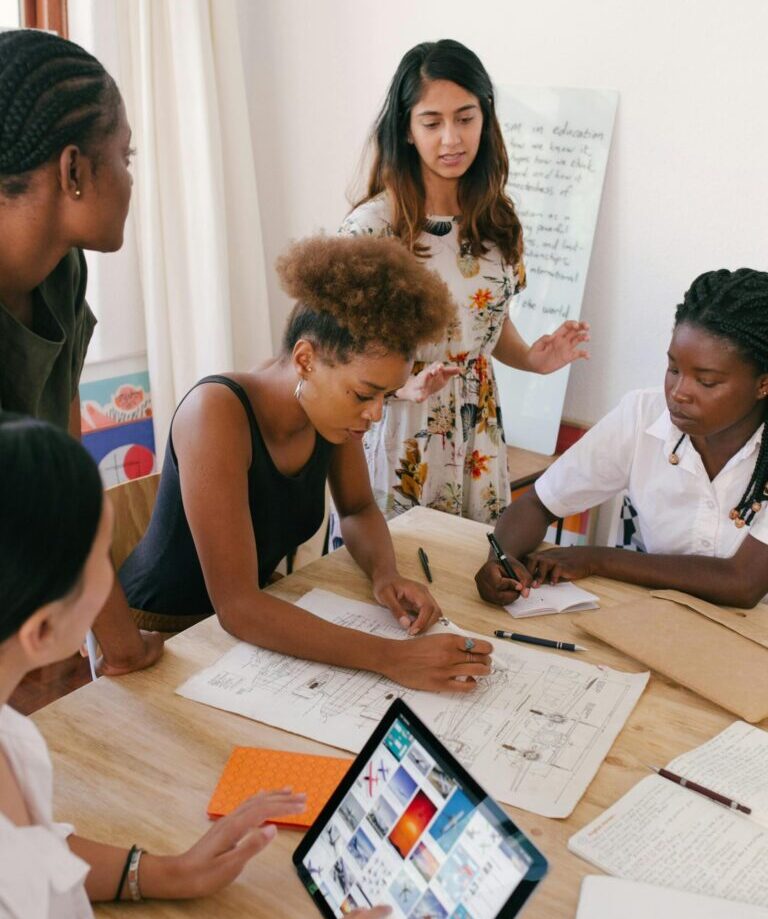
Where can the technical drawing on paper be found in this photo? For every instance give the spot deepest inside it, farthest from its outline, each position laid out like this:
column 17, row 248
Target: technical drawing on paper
column 533, row 733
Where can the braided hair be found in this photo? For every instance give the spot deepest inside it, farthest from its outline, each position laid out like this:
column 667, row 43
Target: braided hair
column 734, row 305
column 52, row 93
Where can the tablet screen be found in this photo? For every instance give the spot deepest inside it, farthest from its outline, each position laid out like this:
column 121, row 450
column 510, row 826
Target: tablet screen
column 411, row 829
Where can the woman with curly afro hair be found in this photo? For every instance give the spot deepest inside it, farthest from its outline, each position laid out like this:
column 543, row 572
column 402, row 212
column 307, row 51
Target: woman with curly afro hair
column 249, row 455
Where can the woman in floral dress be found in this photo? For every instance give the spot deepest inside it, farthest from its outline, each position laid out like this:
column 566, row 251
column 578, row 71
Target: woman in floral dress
column 438, row 183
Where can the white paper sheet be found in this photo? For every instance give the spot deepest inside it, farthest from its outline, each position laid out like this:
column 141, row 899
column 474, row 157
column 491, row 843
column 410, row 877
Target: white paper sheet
column 533, row 734
column 663, row 834
column 553, row 598
column 614, row 898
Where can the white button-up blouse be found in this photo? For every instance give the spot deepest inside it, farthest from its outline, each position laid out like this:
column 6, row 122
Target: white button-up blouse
column 680, row 511
column 40, row 878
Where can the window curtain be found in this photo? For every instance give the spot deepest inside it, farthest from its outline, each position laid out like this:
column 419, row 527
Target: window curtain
column 195, row 206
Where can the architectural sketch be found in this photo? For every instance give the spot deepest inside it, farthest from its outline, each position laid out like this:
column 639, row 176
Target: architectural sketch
column 534, row 732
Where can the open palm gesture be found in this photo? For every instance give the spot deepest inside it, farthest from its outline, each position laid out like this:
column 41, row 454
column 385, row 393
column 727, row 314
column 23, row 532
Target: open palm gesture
column 428, row 381
column 562, row 347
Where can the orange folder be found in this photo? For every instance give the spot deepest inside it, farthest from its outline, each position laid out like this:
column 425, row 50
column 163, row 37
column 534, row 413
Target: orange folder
column 252, row 769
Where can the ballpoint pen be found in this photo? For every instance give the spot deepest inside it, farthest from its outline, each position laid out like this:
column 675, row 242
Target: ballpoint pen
column 533, row 640
column 700, row 789
column 425, row 564
column 502, row 559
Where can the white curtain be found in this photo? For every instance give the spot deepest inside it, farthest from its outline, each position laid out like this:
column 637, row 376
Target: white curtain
column 195, row 206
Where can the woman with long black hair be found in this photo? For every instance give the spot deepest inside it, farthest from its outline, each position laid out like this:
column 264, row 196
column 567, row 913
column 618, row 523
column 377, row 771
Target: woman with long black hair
column 437, row 183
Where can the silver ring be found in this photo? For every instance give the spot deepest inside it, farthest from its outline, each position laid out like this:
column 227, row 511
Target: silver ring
column 469, row 643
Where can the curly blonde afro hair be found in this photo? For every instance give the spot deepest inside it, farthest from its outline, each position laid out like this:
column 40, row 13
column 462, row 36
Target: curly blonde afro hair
column 360, row 294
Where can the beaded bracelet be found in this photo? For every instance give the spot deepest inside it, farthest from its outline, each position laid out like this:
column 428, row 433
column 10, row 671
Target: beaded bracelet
column 133, row 875
column 123, row 876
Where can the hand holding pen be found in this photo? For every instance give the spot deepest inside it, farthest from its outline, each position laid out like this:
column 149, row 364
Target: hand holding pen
column 504, row 579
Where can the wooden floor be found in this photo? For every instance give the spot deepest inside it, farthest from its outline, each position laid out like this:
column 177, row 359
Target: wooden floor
column 47, row 684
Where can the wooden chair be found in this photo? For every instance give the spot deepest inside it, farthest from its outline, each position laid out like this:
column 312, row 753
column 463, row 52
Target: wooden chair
column 133, row 502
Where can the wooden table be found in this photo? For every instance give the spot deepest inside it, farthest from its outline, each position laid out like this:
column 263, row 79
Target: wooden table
column 525, row 466
column 136, row 763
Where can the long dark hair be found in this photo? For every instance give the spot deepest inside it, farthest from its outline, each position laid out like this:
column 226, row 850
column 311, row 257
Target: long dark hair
column 50, row 506
column 487, row 213
column 734, row 305
column 52, row 93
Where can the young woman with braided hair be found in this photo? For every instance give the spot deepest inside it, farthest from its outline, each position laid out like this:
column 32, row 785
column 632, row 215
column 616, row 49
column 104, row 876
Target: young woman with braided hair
column 65, row 186
column 693, row 458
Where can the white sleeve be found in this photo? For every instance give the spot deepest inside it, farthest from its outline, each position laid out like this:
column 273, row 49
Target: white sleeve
column 597, row 467
column 759, row 526
column 351, row 227
column 369, row 219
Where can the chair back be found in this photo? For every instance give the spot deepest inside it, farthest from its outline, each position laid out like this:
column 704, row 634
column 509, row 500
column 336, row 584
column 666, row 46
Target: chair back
column 133, row 502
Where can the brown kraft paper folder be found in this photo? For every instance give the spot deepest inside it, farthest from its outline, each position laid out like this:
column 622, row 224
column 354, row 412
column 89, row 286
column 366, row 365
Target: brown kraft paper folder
column 719, row 653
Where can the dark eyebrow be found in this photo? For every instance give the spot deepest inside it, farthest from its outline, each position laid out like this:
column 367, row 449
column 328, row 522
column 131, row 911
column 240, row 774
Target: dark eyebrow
column 373, row 386
column 723, row 373
column 464, row 108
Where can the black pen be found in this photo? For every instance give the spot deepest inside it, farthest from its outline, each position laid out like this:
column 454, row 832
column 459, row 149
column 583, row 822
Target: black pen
column 503, row 560
column 425, row 564
column 533, row 640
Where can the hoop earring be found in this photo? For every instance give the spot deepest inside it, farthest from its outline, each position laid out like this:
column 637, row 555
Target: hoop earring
column 299, row 387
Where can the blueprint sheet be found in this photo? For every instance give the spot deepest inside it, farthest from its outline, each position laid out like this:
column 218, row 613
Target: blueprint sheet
column 533, row 734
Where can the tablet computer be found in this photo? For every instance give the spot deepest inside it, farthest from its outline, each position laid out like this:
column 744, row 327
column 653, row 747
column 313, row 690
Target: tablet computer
column 410, row 828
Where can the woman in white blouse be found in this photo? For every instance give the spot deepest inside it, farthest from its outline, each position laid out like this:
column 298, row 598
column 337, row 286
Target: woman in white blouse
column 694, row 460
column 55, row 574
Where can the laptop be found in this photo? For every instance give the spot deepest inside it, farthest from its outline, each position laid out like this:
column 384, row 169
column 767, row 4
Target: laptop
column 410, row 828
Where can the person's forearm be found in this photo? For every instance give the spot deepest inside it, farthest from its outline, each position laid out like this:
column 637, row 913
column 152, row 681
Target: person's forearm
column 522, row 527
column 712, row 579
column 117, row 633
column 157, row 873
column 368, row 539
column 512, row 349
column 275, row 624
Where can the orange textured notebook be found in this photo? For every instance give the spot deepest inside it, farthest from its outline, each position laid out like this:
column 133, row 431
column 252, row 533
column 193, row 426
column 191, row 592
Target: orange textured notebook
column 251, row 769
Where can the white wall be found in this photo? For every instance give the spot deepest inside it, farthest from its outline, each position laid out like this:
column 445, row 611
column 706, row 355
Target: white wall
column 686, row 187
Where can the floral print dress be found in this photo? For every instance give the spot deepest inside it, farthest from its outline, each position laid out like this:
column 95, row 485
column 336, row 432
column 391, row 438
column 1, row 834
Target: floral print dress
column 447, row 452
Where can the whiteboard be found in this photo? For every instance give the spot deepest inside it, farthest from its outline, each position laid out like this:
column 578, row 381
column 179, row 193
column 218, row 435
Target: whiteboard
column 558, row 140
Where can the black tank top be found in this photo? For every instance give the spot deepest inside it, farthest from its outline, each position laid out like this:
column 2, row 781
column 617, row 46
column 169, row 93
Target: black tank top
column 163, row 573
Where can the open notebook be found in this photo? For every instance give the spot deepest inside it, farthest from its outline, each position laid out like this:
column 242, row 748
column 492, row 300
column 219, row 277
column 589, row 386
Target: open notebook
column 663, row 834
column 560, row 598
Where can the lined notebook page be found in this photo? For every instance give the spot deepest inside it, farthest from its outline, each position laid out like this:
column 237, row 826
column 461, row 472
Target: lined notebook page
column 735, row 763
column 667, row 835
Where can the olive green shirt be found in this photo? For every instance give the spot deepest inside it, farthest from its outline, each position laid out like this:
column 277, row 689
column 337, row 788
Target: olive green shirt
column 40, row 367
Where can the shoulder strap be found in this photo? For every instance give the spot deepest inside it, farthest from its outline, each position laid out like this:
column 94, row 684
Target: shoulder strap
column 237, row 389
